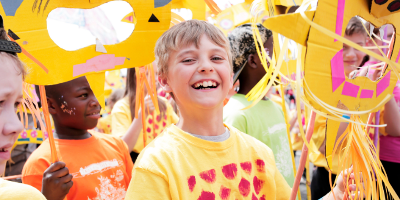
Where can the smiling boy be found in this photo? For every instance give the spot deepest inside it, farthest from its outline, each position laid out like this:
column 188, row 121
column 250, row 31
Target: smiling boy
column 200, row 157
column 100, row 164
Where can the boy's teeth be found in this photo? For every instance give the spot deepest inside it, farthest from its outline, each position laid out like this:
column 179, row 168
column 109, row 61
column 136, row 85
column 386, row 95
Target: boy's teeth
column 214, row 84
column 210, row 83
column 205, row 84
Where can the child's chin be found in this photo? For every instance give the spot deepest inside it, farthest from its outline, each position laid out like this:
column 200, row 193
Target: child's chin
column 210, row 104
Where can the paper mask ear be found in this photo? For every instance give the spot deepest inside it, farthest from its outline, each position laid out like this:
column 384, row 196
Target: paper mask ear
column 296, row 29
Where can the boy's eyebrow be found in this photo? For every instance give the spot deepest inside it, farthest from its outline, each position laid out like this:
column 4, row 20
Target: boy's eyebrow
column 83, row 88
column 184, row 52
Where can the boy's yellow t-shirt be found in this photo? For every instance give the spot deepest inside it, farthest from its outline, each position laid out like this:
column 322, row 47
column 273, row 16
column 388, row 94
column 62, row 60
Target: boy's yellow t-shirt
column 121, row 120
column 13, row 191
column 177, row 165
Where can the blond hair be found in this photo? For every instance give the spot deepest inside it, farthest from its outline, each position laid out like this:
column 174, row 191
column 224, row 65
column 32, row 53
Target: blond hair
column 184, row 34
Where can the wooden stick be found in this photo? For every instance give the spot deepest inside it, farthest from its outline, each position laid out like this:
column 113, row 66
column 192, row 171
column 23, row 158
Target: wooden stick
column 12, row 177
column 303, row 158
column 288, row 130
column 46, row 114
column 376, row 136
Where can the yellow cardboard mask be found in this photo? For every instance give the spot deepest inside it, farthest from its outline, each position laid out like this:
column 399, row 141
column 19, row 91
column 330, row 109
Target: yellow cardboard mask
column 324, row 63
column 27, row 19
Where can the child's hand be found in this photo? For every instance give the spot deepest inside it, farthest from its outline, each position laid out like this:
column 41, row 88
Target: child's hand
column 340, row 190
column 149, row 106
column 56, row 181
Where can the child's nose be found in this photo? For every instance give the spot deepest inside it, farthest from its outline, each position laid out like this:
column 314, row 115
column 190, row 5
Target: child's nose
column 350, row 53
column 12, row 124
column 206, row 66
column 93, row 102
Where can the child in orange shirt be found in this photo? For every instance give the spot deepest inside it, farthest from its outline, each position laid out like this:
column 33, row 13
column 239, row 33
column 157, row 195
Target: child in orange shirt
column 100, row 164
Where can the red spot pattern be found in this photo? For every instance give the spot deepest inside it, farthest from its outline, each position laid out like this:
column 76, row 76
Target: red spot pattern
column 260, row 165
column 149, row 130
column 191, row 183
column 158, row 118
column 263, row 197
column 150, row 121
column 254, row 197
column 208, row 176
column 206, row 196
column 156, row 126
column 258, row 184
column 164, row 124
column 230, row 171
column 244, row 187
column 224, row 193
column 246, row 166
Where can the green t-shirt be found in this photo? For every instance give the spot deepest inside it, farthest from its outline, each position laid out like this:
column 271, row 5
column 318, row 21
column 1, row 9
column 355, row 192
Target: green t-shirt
column 264, row 121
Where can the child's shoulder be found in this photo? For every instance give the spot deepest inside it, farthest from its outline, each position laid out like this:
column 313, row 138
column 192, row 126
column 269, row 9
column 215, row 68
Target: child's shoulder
column 12, row 190
column 107, row 138
column 248, row 140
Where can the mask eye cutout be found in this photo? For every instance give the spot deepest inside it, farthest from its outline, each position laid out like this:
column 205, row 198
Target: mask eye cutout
column 381, row 2
column 73, row 28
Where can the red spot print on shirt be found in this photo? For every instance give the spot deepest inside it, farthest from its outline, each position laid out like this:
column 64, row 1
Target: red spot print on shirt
column 260, row 165
column 165, row 117
column 254, row 197
column 149, row 130
column 224, row 193
column 206, row 196
column 164, row 124
column 230, row 171
column 246, row 166
column 156, row 126
column 191, row 183
column 258, row 184
column 263, row 197
column 208, row 176
column 150, row 121
column 158, row 118
column 244, row 187
column 108, row 125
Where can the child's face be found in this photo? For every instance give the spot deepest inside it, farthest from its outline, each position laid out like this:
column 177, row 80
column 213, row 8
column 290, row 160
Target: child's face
column 75, row 105
column 352, row 58
column 10, row 99
column 191, row 68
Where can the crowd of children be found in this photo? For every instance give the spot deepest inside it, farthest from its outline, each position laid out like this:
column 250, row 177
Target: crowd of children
column 211, row 151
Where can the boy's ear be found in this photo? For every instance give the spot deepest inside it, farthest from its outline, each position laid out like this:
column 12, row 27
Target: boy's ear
column 52, row 106
column 251, row 61
column 231, row 80
column 164, row 83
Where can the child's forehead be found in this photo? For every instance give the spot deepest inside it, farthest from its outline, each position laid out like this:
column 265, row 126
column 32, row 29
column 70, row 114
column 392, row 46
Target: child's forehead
column 71, row 86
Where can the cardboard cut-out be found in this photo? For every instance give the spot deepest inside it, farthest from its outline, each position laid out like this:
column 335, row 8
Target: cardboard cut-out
column 381, row 8
column 13, row 35
column 324, row 81
column 282, row 7
column 29, row 23
column 234, row 16
column 323, row 52
column 153, row 19
column 10, row 6
column 198, row 7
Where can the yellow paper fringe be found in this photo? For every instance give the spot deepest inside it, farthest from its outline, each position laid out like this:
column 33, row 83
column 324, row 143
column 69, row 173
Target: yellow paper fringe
column 360, row 152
